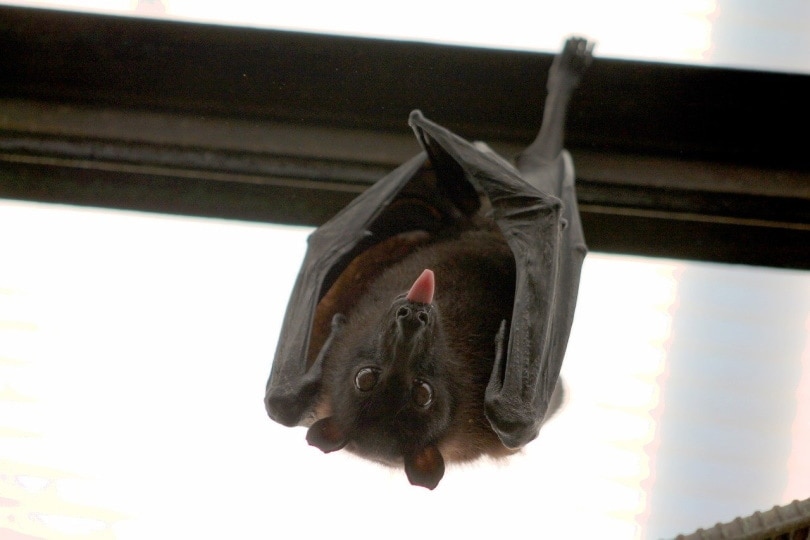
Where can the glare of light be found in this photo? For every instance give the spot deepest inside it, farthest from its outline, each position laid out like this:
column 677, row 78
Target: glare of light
column 125, row 340
column 660, row 31
column 614, row 385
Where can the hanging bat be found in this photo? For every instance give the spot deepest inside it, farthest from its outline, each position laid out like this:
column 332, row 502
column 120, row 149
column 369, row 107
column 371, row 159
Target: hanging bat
column 430, row 317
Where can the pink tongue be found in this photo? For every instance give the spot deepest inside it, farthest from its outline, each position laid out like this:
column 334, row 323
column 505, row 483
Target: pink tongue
column 422, row 289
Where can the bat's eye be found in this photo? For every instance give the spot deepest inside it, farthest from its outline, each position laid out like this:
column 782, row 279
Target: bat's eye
column 366, row 379
column 422, row 393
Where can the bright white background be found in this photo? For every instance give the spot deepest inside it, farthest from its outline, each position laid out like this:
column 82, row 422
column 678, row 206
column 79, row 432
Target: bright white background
column 734, row 33
column 134, row 350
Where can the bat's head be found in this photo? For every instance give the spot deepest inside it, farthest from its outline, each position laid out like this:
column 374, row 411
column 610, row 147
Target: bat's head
column 390, row 397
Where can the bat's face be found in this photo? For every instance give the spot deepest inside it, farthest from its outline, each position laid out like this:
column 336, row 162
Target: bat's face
column 389, row 395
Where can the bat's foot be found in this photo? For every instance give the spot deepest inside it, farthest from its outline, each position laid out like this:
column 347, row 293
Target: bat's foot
column 570, row 64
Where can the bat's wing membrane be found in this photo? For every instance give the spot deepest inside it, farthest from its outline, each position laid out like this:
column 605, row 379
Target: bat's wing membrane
column 544, row 233
column 293, row 387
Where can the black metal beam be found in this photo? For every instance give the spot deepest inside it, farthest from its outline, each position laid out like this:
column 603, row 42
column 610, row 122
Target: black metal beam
column 676, row 161
column 640, row 107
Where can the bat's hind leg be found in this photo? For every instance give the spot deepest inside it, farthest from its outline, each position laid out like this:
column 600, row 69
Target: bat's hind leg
column 539, row 161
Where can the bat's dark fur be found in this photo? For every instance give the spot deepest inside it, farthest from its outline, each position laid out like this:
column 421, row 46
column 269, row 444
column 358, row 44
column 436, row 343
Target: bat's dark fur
column 405, row 375
column 475, row 281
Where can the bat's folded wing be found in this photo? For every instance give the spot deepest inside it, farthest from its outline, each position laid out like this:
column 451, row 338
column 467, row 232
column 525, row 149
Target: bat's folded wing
column 545, row 236
column 293, row 386
column 543, row 231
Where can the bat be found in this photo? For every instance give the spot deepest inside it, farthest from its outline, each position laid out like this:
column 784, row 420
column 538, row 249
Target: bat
column 430, row 317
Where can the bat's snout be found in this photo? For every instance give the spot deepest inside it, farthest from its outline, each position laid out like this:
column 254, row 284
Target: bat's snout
column 412, row 316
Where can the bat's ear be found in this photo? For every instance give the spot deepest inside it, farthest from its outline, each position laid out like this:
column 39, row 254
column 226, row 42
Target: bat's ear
column 425, row 467
column 326, row 435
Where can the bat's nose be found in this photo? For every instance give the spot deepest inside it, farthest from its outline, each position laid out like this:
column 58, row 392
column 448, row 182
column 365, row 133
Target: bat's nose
column 412, row 317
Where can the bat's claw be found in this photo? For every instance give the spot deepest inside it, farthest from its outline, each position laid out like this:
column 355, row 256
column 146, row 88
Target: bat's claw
column 571, row 63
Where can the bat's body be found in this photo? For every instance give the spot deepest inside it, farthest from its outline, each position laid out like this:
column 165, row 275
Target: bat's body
column 430, row 318
column 474, row 293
